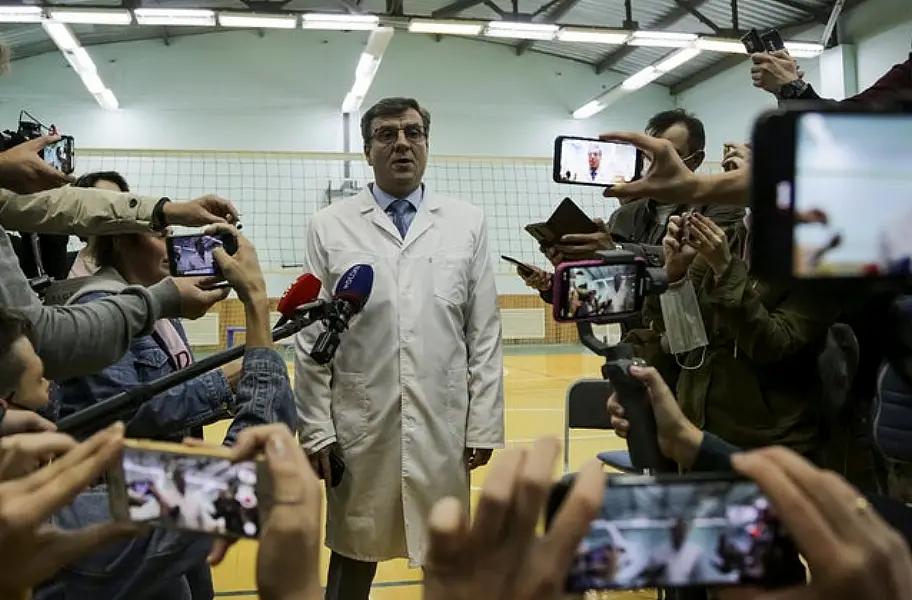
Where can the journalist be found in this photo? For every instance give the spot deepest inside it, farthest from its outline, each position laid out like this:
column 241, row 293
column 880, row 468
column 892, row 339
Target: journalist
column 102, row 330
column 165, row 564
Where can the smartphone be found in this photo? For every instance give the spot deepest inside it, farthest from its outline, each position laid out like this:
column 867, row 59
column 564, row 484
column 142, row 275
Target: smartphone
column 524, row 269
column 679, row 531
column 606, row 291
column 191, row 255
column 752, row 41
column 772, row 41
column 588, row 161
column 60, row 155
column 174, row 486
column 566, row 218
column 813, row 171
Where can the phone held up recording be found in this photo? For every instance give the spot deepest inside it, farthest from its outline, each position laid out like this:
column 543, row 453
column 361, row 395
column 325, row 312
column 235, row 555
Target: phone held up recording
column 589, row 161
column 679, row 531
column 608, row 290
column 191, row 255
column 174, row 486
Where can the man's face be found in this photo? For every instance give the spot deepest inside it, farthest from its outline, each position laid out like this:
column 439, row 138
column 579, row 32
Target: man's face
column 679, row 137
column 595, row 159
column 398, row 152
column 32, row 391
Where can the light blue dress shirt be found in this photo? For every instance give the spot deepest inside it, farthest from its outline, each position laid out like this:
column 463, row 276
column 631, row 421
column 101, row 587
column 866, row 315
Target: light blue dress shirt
column 384, row 201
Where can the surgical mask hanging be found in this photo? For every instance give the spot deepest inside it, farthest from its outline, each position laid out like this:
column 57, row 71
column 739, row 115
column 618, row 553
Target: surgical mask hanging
column 684, row 328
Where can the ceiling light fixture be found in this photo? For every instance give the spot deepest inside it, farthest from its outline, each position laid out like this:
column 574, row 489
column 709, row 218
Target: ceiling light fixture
column 257, row 21
column 592, row 36
column 174, row 17
column 90, row 16
column 521, row 31
column 445, row 27
column 337, row 22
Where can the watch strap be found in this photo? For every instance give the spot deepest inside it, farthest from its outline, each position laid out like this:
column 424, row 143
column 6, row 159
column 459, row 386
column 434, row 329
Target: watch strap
column 158, row 214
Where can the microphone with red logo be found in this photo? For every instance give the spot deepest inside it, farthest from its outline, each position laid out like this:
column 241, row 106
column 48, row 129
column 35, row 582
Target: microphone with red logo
column 352, row 292
column 299, row 307
column 305, row 289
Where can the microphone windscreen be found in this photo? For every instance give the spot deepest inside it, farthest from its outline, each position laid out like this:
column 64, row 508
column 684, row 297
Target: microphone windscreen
column 305, row 289
column 355, row 286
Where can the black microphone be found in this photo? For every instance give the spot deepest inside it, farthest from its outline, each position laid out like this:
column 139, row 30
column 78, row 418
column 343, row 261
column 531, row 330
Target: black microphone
column 352, row 292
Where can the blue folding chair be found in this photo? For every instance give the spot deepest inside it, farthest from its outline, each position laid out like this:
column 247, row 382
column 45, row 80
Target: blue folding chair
column 587, row 408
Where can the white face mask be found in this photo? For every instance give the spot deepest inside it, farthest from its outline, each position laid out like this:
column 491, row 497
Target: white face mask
column 684, row 327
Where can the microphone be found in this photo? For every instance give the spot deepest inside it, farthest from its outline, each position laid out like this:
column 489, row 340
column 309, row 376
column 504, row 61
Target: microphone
column 299, row 307
column 352, row 292
column 304, row 289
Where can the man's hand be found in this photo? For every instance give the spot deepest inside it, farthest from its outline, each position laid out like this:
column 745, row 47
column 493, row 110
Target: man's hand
column 24, row 421
column 196, row 296
column 23, row 453
column 678, row 255
column 202, row 211
column 289, row 544
column 241, row 269
column 679, row 439
column 23, row 171
column 500, row 555
column 319, row 462
column 668, row 179
column 552, row 254
column 737, row 156
column 851, row 552
column 772, row 70
column 539, row 280
column 583, row 246
column 477, row 457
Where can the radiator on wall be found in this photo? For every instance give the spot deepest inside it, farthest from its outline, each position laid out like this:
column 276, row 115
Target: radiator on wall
column 522, row 323
column 203, row 331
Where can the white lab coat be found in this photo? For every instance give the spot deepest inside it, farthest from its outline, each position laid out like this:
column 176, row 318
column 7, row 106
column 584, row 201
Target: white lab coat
column 417, row 378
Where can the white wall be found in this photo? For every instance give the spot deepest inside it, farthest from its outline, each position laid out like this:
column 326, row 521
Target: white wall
column 236, row 91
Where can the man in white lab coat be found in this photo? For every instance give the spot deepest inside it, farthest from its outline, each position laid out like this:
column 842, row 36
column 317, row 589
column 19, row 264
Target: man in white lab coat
column 414, row 397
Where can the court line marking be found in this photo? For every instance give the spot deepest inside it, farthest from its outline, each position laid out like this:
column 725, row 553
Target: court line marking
column 378, row 584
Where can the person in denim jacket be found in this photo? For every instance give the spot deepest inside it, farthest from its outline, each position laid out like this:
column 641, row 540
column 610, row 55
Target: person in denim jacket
column 167, row 564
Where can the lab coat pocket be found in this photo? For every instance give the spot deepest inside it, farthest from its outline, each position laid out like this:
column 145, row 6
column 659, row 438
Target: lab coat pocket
column 457, row 403
column 450, row 276
column 349, row 408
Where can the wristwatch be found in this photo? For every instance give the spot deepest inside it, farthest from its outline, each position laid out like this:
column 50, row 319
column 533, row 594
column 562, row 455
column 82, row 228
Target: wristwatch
column 793, row 89
column 158, row 214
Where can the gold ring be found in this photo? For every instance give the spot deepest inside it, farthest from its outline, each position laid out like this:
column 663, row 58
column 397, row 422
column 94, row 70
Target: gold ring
column 861, row 504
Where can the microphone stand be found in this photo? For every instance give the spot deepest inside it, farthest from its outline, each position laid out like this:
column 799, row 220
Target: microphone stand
column 123, row 406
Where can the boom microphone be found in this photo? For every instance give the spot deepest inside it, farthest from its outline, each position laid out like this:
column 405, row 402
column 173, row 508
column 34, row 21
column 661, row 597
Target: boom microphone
column 304, row 289
column 352, row 292
column 299, row 307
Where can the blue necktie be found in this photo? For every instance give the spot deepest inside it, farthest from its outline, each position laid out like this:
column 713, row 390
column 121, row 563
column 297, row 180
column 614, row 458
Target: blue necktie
column 400, row 211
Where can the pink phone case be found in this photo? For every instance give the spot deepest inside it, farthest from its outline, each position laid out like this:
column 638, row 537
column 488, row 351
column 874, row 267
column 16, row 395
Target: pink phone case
column 557, row 297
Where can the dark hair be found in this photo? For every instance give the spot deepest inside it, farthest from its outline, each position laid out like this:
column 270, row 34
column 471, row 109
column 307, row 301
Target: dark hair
column 392, row 107
column 91, row 180
column 101, row 248
column 662, row 122
column 13, row 327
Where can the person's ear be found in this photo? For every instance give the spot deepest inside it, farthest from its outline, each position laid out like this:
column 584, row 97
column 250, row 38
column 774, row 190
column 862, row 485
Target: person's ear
column 367, row 154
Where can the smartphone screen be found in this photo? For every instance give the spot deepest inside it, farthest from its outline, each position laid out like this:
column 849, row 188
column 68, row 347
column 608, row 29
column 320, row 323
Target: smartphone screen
column 842, row 163
column 60, row 155
column 679, row 532
column 584, row 161
column 192, row 492
column 191, row 255
column 595, row 291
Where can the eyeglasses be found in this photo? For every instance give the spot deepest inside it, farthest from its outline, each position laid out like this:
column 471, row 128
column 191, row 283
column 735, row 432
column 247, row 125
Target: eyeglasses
column 414, row 134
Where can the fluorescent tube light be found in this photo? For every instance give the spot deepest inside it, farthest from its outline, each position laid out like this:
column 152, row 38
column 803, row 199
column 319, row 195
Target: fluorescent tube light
column 677, row 59
column 804, row 49
column 587, row 110
column 338, row 22
column 721, row 45
column 61, row 36
column 445, row 27
column 20, row 14
column 175, row 17
column 257, row 21
column 81, row 62
column 641, row 79
column 592, row 36
column 90, row 16
column 366, row 68
column 662, row 39
column 521, row 31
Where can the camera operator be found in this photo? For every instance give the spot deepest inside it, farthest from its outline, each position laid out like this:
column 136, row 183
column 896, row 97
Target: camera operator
column 102, row 330
column 163, row 563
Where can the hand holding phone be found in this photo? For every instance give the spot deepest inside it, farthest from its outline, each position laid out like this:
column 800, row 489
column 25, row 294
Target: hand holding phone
column 590, row 161
column 191, row 255
column 567, row 218
column 598, row 290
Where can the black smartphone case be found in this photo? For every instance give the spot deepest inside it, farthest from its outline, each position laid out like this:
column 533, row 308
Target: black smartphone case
column 752, row 41
column 567, row 218
column 772, row 41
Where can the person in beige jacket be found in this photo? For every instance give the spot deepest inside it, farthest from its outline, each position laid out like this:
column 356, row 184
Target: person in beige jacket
column 31, row 199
